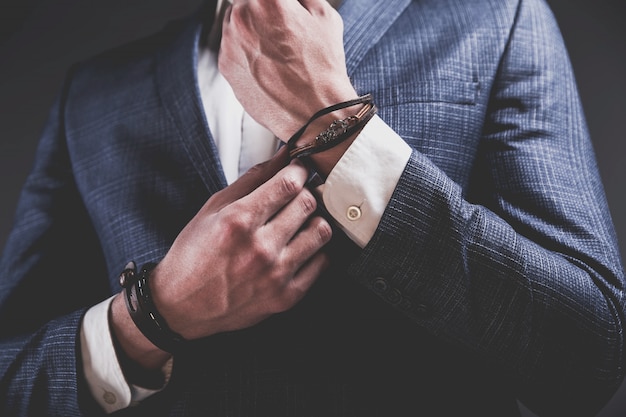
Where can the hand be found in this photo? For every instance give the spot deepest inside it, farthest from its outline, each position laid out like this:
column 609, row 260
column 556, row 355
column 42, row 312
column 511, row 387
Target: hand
column 284, row 60
column 253, row 250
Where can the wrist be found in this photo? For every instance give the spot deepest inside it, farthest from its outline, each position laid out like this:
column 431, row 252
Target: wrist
column 143, row 311
column 326, row 136
column 323, row 162
column 129, row 342
column 319, row 99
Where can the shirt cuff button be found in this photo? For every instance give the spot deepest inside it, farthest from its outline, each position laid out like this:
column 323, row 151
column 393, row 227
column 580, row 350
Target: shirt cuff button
column 353, row 213
column 109, row 397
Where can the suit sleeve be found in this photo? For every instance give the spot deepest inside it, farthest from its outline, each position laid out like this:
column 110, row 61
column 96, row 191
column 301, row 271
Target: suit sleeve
column 524, row 270
column 48, row 276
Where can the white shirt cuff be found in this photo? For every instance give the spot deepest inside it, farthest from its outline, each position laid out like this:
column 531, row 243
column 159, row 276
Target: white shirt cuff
column 360, row 186
column 102, row 370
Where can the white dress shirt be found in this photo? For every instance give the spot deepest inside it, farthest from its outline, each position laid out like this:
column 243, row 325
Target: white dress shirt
column 355, row 194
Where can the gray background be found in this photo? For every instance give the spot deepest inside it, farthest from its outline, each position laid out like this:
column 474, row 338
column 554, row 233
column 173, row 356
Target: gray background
column 39, row 39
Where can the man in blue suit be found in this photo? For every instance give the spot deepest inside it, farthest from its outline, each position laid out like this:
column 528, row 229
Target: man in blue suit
column 451, row 254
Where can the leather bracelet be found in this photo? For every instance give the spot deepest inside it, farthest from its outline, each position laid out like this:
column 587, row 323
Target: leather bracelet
column 337, row 132
column 142, row 310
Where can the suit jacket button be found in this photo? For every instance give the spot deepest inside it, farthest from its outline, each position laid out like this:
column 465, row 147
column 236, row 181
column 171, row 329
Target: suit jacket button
column 394, row 296
column 405, row 304
column 380, row 285
column 422, row 310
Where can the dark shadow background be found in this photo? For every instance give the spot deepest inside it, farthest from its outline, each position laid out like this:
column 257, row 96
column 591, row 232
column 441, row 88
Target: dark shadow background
column 39, row 39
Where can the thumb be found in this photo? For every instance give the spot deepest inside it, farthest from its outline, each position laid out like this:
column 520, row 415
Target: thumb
column 251, row 180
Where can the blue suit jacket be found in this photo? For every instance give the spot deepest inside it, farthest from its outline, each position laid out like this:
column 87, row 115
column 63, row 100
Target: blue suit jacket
column 493, row 275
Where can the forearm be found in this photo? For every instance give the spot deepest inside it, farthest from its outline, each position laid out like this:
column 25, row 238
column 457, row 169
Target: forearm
column 496, row 237
column 131, row 343
column 549, row 313
column 114, row 379
column 545, row 313
column 40, row 372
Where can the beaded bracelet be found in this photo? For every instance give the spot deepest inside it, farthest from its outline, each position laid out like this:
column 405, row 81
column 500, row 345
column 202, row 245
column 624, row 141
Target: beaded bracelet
column 142, row 310
column 337, row 132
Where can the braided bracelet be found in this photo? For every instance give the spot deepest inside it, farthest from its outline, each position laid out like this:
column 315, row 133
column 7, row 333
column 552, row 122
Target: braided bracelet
column 337, row 132
column 142, row 310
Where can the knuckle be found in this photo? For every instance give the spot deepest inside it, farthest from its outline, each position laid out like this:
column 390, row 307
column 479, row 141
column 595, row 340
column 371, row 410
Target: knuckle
column 289, row 184
column 235, row 221
column 324, row 231
column 264, row 255
column 308, row 202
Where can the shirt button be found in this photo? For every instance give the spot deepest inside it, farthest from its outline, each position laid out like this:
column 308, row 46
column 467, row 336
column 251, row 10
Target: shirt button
column 109, row 397
column 354, row 213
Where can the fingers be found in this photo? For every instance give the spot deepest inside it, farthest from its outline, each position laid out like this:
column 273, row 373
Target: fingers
column 310, row 239
column 262, row 172
column 284, row 225
column 250, row 181
column 299, row 285
column 274, row 194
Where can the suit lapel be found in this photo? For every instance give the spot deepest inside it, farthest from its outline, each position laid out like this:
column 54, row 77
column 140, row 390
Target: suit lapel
column 178, row 87
column 365, row 22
